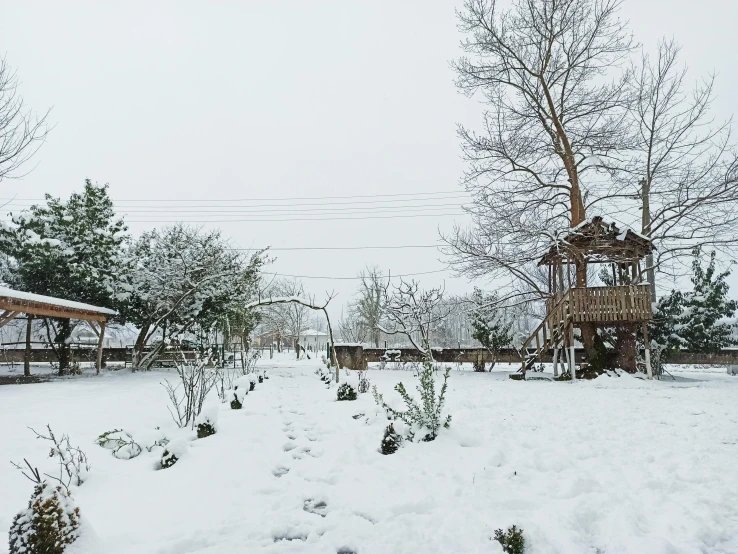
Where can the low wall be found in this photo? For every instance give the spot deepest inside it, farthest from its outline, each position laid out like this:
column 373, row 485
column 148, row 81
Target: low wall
column 356, row 357
column 46, row 355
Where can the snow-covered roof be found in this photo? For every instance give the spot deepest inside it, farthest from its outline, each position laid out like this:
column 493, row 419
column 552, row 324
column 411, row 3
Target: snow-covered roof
column 314, row 333
column 24, row 298
column 598, row 240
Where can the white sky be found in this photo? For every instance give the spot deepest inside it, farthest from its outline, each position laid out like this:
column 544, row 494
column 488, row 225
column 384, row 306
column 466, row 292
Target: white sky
column 278, row 100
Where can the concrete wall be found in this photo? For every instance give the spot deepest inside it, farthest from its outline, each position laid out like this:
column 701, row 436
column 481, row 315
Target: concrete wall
column 356, row 357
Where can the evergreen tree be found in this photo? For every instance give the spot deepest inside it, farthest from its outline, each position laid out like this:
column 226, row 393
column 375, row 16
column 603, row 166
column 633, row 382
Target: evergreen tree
column 489, row 327
column 700, row 320
column 185, row 277
column 72, row 250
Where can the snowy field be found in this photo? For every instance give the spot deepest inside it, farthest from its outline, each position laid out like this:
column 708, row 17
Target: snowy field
column 618, row 465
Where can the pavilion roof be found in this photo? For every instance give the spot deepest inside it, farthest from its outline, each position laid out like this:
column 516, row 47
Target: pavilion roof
column 597, row 240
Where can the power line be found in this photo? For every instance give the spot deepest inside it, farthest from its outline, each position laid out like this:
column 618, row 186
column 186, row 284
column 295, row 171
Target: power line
column 332, row 197
column 330, row 278
column 287, row 212
column 321, row 205
column 393, row 247
column 175, row 220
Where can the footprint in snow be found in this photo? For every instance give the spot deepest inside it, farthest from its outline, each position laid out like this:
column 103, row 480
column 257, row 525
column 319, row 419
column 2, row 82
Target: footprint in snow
column 289, row 446
column 279, row 471
column 315, row 507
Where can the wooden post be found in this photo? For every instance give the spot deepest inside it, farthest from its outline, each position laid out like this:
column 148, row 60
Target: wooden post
column 647, row 348
column 100, row 346
column 572, row 366
column 556, row 362
column 27, row 356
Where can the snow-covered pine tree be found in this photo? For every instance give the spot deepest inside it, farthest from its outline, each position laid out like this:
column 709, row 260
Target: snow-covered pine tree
column 700, row 320
column 489, row 327
column 71, row 249
column 48, row 525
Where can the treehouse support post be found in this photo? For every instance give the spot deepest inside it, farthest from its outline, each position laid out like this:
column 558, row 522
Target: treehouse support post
column 647, row 351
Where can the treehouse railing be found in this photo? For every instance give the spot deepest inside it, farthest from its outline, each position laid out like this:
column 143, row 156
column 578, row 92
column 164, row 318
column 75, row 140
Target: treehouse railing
column 627, row 303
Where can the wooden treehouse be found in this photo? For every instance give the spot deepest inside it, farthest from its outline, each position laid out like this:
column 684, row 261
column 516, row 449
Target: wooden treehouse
column 626, row 302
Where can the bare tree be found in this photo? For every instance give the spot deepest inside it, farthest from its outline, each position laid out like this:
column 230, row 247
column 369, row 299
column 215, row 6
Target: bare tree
column 21, row 131
column 414, row 313
column 369, row 302
column 683, row 170
column 553, row 123
column 350, row 327
column 291, row 318
column 271, row 301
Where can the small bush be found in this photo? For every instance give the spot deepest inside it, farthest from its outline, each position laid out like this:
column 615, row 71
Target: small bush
column 512, row 541
column 206, row 421
column 424, row 417
column 168, row 459
column 566, row 376
column 236, row 404
column 391, row 440
column 252, row 385
column 261, row 378
column 346, row 392
column 48, row 525
column 205, row 430
column 363, row 383
column 121, row 443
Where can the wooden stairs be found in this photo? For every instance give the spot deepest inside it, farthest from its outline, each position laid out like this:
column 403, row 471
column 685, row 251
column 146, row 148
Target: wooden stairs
column 551, row 332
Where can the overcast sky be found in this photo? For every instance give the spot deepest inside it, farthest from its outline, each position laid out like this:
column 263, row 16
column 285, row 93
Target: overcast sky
column 269, row 108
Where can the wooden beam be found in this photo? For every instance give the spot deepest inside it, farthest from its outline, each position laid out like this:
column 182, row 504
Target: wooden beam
column 7, row 316
column 49, row 310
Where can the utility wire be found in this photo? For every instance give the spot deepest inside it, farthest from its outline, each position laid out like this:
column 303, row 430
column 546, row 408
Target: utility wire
column 317, row 218
column 393, row 247
column 230, row 204
column 332, row 197
column 330, row 278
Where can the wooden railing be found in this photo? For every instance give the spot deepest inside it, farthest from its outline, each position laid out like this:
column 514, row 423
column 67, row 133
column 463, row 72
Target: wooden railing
column 610, row 304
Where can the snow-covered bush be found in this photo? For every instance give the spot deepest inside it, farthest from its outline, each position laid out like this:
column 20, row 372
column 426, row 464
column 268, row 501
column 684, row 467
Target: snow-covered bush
column 391, row 440
column 364, row 384
column 512, row 540
column 425, row 418
column 48, row 525
column 168, row 459
column 261, row 378
column 121, row 443
column 346, row 392
column 206, row 422
column 237, row 395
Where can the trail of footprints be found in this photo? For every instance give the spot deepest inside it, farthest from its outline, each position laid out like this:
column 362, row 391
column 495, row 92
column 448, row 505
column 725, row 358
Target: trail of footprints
column 311, row 506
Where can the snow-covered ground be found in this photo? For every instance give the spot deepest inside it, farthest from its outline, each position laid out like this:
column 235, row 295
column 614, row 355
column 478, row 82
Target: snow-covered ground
column 617, row 465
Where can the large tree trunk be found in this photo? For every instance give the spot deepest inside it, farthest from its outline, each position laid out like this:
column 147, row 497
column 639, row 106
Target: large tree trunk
column 625, row 346
column 27, row 354
column 140, row 344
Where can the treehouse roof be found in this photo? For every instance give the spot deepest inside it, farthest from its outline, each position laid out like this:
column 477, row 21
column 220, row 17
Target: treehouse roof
column 597, row 241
